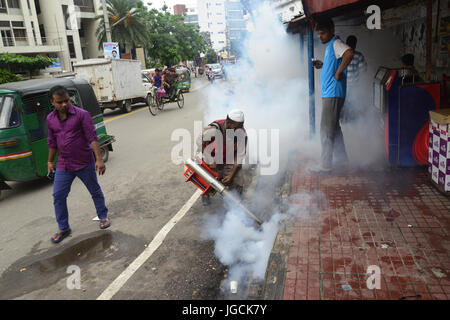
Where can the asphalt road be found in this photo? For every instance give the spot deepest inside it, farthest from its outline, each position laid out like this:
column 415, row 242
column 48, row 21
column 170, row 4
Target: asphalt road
column 143, row 191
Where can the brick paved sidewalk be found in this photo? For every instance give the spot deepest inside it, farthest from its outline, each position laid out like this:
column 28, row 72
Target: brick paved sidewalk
column 391, row 218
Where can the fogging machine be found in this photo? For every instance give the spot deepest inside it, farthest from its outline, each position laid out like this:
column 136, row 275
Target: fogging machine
column 207, row 181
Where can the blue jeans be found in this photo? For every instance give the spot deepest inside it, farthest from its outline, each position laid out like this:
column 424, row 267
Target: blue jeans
column 61, row 188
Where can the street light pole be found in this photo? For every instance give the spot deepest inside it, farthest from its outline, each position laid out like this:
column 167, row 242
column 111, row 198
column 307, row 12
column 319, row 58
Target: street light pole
column 105, row 17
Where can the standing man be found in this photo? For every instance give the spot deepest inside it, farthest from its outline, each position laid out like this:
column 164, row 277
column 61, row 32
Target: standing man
column 71, row 132
column 354, row 70
column 338, row 56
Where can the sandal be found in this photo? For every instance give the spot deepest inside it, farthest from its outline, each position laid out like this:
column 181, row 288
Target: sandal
column 105, row 223
column 59, row 236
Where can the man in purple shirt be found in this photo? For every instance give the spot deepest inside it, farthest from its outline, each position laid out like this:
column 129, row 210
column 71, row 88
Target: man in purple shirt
column 71, row 132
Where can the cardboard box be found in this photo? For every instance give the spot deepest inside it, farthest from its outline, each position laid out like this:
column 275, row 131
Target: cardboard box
column 439, row 156
column 441, row 116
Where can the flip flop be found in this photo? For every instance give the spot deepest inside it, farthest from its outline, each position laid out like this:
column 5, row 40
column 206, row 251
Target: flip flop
column 62, row 235
column 319, row 169
column 106, row 223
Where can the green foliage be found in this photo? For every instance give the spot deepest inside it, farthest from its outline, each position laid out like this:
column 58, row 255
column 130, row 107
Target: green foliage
column 210, row 56
column 165, row 37
column 6, row 76
column 11, row 61
column 130, row 32
column 171, row 40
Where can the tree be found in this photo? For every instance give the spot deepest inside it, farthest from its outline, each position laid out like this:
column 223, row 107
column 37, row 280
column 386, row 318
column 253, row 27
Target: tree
column 211, row 56
column 6, row 77
column 171, row 40
column 130, row 32
column 11, row 61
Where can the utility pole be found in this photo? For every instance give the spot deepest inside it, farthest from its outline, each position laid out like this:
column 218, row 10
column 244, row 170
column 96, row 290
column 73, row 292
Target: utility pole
column 105, row 17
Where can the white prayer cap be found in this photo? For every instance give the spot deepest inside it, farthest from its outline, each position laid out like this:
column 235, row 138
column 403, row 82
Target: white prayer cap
column 236, row 115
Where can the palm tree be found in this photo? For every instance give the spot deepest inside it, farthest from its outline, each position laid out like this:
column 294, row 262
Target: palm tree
column 130, row 32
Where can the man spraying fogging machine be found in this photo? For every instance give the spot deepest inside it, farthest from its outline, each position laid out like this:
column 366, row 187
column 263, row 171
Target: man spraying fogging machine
column 223, row 144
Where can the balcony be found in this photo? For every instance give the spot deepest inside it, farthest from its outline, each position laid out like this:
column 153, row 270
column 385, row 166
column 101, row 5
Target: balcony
column 85, row 5
column 21, row 45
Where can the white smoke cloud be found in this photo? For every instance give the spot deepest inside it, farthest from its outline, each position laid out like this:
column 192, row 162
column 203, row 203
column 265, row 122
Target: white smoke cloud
column 267, row 83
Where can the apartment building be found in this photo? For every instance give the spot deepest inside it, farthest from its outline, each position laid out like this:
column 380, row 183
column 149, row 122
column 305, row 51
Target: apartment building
column 191, row 15
column 212, row 19
column 63, row 29
column 287, row 9
column 236, row 25
column 179, row 9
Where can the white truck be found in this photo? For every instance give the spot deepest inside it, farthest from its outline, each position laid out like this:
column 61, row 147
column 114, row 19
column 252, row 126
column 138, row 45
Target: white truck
column 117, row 83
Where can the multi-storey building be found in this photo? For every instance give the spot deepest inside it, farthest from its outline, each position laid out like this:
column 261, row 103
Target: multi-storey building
column 63, row 29
column 212, row 19
column 236, row 25
column 191, row 15
column 179, row 9
column 287, row 9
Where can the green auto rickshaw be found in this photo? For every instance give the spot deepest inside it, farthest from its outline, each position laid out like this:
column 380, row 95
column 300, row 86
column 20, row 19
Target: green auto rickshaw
column 24, row 107
column 184, row 82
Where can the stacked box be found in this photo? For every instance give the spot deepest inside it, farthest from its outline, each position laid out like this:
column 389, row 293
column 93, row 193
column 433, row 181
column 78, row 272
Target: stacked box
column 439, row 154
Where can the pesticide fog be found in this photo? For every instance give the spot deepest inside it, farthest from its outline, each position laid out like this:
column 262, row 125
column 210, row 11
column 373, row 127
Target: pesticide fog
column 270, row 85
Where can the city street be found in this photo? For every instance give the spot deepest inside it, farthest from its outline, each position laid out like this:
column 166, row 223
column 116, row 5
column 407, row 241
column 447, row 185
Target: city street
column 143, row 191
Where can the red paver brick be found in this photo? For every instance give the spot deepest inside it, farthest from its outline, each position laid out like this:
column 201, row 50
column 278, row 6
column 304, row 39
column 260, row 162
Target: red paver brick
column 437, row 296
column 289, row 293
column 435, row 289
column 353, row 219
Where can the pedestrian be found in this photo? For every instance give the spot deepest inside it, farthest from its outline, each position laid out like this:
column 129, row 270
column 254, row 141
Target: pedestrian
column 354, row 70
column 71, row 132
column 338, row 56
column 409, row 73
column 358, row 64
column 223, row 144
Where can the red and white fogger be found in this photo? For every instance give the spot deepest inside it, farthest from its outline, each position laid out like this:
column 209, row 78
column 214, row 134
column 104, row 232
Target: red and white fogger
column 206, row 180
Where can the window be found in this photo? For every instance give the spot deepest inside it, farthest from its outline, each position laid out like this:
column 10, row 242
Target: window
column 7, row 38
column 3, row 6
column 75, row 98
column 17, row 24
column 9, row 115
column 81, row 31
column 71, row 47
column 36, row 108
column 235, row 15
column 20, row 35
column 42, row 31
column 13, row 4
column 38, row 7
column 34, row 32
